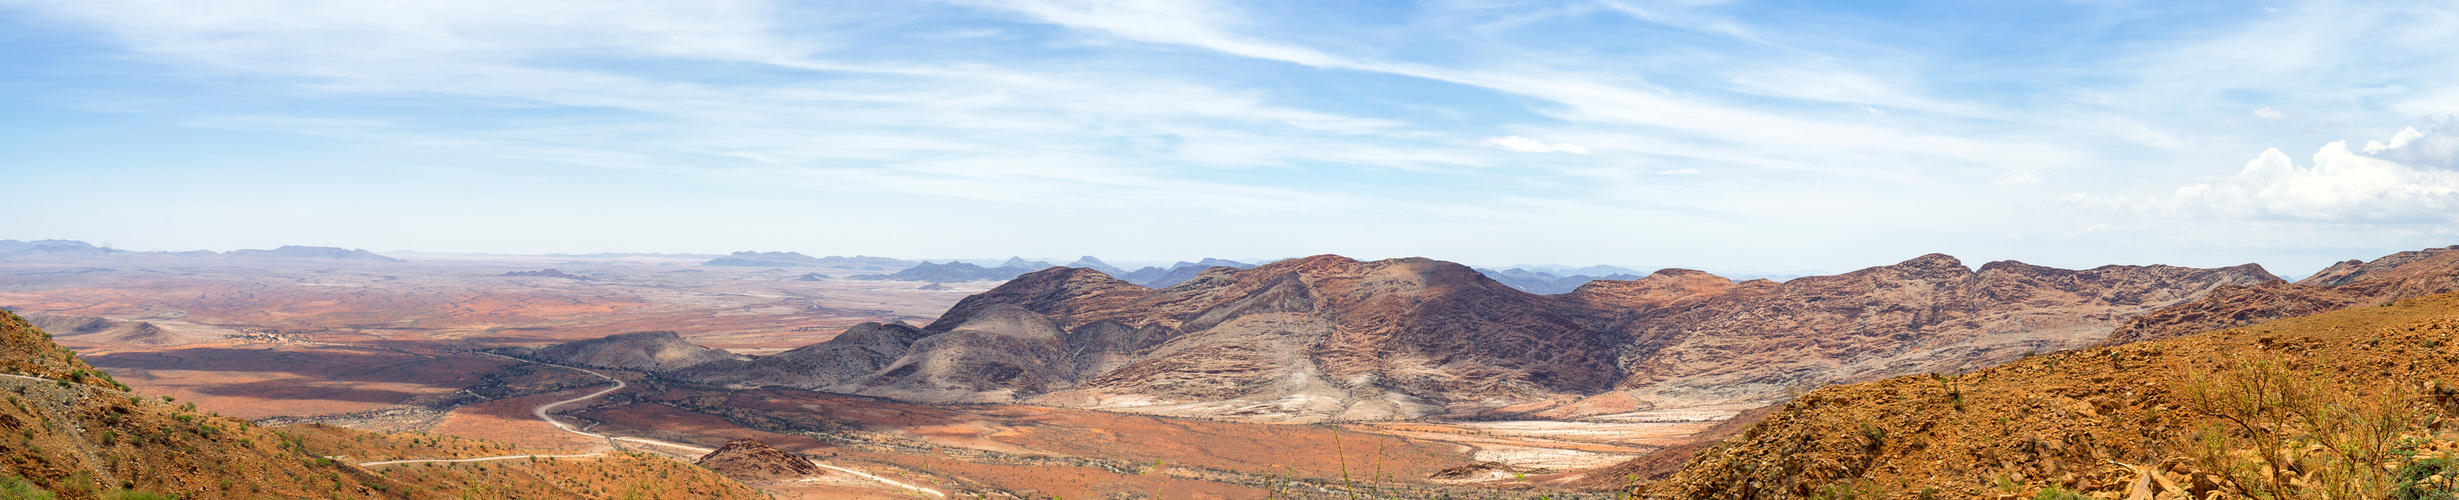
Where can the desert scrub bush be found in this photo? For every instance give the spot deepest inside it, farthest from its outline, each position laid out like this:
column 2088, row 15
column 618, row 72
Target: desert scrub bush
column 18, row 488
column 2276, row 432
column 2427, row 478
column 2056, row 493
column 1954, row 385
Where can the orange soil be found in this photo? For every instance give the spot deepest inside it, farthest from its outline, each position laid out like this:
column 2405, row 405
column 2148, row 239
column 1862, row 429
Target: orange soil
column 510, row 421
column 2061, row 420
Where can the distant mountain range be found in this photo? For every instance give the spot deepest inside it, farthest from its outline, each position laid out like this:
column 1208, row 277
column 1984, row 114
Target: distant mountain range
column 547, row 273
column 791, row 259
column 1542, row 280
column 1545, row 283
column 954, row 272
column 958, row 271
column 1330, row 338
column 77, row 249
column 618, row 255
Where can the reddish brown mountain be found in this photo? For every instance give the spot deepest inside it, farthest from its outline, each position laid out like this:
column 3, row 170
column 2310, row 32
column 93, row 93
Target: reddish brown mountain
column 1757, row 340
column 1330, row 337
column 2394, row 277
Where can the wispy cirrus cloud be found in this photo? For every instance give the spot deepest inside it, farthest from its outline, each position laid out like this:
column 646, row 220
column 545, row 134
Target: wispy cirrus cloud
column 1679, row 118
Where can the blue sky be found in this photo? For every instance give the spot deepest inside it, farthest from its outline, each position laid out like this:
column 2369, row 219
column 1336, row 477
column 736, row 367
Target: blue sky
column 1744, row 135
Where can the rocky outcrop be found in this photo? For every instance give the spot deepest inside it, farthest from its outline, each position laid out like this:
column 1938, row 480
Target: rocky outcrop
column 752, row 460
column 2391, row 278
column 647, row 351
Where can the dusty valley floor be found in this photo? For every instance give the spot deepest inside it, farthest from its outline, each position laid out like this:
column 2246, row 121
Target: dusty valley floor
column 398, row 347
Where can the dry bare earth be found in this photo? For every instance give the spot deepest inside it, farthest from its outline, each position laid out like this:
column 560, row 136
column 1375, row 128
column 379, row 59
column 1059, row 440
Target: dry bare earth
column 465, row 303
column 75, row 433
column 1037, row 452
column 240, row 337
column 2061, row 420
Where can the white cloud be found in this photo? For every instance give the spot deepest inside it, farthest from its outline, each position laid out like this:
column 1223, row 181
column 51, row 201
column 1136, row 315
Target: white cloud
column 2340, row 185
column 2267, row 113
column 2399, row 140
column 1679, row 171
column 1585, row 96
column 1527, row 145
column 2379, row 186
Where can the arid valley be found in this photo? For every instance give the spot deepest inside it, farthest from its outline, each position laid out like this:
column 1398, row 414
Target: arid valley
column 1229, row 250
column 1065, row 382
column 404, row 347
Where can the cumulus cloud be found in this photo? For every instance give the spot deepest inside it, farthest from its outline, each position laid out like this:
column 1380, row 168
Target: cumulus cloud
column 2338, row 185
column 2435, row 147
column 2267, row 113
column 1527, row 145
column 2399, row 140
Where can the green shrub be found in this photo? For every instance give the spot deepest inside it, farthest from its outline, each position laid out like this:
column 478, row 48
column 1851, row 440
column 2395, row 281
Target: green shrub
column 2430, row 479
column 18, row 488
column 2056, row 493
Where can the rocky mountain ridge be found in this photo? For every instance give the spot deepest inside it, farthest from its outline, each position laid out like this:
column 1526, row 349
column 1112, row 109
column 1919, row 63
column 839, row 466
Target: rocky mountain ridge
column 1328, row 337
column 2352, row 283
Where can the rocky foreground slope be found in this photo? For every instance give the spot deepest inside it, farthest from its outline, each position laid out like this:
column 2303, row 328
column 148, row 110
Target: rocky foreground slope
column 2338, row 405
column 1328, row 337
column 75, row 433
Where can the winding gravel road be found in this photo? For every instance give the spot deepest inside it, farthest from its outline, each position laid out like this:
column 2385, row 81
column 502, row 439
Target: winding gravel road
column 541, row 412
